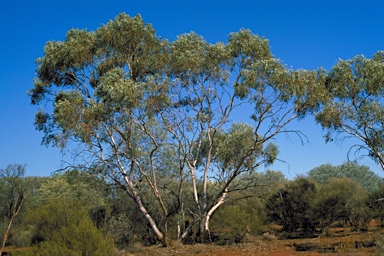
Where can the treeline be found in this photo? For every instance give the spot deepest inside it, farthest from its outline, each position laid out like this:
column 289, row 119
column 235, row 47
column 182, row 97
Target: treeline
column 76, row 212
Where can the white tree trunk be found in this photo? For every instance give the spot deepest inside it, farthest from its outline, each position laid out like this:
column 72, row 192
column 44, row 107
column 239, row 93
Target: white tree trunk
column 142, row 208
column 214, row 208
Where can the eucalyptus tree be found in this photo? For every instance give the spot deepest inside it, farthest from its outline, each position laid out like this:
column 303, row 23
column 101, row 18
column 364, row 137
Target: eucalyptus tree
column 355, row 107
column 212, row 84
column 140, row 109
column 105, row 88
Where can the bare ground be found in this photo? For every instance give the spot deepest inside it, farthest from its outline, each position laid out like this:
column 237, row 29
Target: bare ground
column 339, row 242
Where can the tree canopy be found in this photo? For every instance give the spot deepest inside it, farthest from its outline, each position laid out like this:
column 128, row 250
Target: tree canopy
column 355, row 104
column 131, row 101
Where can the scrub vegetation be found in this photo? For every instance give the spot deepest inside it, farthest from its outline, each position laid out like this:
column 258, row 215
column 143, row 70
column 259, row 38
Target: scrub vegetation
column 74, row 213
column 169, row 138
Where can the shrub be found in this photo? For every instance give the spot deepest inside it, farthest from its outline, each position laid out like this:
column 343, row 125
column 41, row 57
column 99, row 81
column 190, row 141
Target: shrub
column 234, row 220
column 64, row 228
column 292, row 205
column 342, row 200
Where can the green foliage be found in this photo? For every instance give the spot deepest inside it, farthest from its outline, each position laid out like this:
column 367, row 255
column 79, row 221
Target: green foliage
column 82, row 239
column 234, row 221
column 63, row 227
column 355, row 103
column 191, row 52
column 124, row 225
column 303, row 204
column 236, row 147
column 132, row 101
column 122, row 229
column 291, row 206
column 14, row 189
column 256, row 185
column 119, row 89
column 359, row 173
column 342, row 200
column 244, row 216
column 75, row 185
column 123, row 44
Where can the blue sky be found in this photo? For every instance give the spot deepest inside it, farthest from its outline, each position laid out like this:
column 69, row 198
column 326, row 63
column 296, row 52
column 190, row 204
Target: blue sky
column 303, row 34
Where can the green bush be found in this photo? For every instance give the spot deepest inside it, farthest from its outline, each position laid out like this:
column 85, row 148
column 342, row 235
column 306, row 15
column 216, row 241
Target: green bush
column 63, row 227
column 292, row 205
column 342, row 200
column 83, row 239
column 231, row 222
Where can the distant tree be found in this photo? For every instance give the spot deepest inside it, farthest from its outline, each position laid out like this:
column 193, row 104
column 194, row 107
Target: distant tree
column 13, row 191
column 72, row 185
column 352, row 170
column 355, row 104
column 342, row 200
column 257, row 184
column 292, row 205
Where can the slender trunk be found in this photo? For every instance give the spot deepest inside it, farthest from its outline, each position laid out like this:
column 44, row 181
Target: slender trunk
column 15, row 212
column 206, row 169
column 194, row 184
column 203, row 233
column 150, row 220
column 6, row 233
column 147, row 216
column 134, row 193
column 180, row 221
column 178, row 227
column 214, row 208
